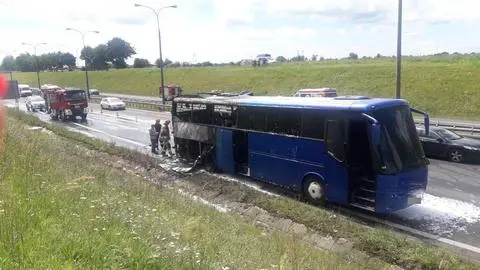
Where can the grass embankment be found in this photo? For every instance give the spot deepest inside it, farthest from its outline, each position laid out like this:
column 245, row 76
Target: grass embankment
column 61, row 210
column 444, row 88
column 378, row 243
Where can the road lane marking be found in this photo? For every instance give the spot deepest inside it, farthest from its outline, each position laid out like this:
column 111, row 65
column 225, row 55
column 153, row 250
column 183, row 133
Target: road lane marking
column 113, row 136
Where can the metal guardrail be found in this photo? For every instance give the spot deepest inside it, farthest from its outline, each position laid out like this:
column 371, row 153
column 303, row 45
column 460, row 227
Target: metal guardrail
column 469, row 129
column 138, row 103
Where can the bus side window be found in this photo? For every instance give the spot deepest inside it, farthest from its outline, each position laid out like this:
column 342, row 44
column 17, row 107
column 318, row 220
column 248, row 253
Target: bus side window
column 252, row 118
column 313, row 124
column 284, row 121
column 335, row 139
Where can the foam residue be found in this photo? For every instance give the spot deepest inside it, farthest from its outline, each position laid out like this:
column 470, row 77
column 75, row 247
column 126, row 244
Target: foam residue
column 442, row 216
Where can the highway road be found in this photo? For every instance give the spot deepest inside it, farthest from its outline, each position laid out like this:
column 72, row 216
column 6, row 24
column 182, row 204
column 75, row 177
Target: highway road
column 451, row 207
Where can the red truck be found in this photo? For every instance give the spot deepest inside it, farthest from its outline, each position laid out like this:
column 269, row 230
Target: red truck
column 66, row 104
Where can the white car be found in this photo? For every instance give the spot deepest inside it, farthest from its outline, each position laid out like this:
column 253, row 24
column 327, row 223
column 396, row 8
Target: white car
column 112, row 103
column 94, row 92
column 34, row 103
column 24, row 90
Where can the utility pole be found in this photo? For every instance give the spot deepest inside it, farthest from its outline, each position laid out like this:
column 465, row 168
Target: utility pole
column 162, row 78
column 87, row 81
column 399, row 50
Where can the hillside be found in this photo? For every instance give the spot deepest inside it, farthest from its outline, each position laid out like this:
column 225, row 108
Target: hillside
column 444, row 88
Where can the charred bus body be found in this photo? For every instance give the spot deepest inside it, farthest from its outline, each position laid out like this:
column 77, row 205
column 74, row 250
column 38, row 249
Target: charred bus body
column 355, row 151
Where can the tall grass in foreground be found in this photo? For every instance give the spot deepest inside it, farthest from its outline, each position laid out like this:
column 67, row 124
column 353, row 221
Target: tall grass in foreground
column 60, row 208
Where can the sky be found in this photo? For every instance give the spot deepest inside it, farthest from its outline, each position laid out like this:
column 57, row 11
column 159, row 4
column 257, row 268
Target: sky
column 224, row 31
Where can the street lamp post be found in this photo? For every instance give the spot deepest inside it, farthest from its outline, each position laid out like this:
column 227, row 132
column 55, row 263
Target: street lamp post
column 36, row 59
column 399, row 50
column 162, row 78
column 87, row 83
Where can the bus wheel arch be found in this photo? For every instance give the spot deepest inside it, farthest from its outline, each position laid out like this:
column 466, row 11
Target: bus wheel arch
column 314, row 189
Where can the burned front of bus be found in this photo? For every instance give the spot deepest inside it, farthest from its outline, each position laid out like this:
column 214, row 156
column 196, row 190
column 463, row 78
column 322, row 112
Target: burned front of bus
column 399, row 162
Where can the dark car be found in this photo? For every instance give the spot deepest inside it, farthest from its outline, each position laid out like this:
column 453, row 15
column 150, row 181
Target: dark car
column 443, row 143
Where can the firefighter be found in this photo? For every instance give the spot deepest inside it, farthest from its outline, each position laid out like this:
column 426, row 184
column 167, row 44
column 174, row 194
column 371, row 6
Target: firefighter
column 158, row 128
column 165, row 138
column 154, row 139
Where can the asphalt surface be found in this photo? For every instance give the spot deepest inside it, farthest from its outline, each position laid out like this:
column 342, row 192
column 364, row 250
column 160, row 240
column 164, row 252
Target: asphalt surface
column 451, row 207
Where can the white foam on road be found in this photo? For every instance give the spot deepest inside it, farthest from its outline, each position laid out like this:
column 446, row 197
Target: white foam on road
column 442, row 216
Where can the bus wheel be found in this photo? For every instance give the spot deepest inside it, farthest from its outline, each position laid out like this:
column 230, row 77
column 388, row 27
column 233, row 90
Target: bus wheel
column 314, row 190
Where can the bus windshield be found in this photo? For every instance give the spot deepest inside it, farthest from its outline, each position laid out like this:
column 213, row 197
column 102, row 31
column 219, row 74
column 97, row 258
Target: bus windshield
column 75, row 95
column 401, row 150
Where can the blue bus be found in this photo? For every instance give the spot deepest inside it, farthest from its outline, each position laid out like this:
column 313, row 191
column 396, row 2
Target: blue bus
column 348, row 150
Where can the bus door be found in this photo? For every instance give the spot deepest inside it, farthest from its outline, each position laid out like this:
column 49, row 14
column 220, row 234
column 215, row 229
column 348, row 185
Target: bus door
column 336, row 170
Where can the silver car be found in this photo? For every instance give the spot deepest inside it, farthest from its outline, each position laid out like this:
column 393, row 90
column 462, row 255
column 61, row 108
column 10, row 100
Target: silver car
column 112, row 103
column 34, row 103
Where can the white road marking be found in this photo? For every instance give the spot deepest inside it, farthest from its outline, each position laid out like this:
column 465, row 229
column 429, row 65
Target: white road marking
column 113, row 136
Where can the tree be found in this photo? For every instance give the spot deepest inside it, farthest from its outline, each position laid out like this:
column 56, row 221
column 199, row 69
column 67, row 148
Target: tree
column 166, row 62
column 68, row 59
column 281, row 59
column 314, row 57
column 8, row 63
column 353, row 56
column 298, row 58
column 175, row 64
column 87, row 54
column 100, row 58
column 25, row 62
column 118, row 50
column 141, row 63
column 95, row 57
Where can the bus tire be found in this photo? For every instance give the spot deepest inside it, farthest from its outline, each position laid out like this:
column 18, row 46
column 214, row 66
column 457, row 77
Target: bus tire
column 314, row 190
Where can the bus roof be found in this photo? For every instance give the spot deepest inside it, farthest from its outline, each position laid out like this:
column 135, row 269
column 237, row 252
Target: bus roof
column 355, row 103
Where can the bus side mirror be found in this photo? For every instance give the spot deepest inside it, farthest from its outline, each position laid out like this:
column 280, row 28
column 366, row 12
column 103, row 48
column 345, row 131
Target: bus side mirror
column 375, row 134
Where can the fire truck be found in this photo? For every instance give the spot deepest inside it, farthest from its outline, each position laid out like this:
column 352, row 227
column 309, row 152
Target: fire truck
column 171, row 91
column 66, row 104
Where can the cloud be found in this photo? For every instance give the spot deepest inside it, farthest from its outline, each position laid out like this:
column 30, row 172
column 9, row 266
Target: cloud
column 220, row 30
column 356, row 12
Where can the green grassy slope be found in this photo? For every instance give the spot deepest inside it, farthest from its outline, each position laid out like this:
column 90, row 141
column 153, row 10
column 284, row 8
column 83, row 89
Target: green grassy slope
column 64, row 211
column 205, row 228
column 445, row 88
